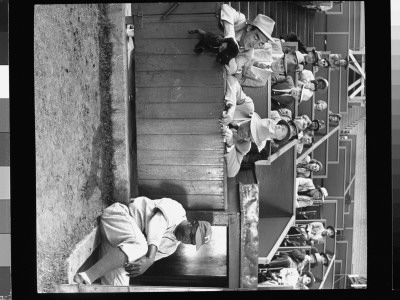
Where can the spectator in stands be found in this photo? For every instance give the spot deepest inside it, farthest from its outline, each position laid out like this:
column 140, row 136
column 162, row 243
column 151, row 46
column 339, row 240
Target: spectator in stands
column 239, row 105
column 292, row 37
column 320, row 105
column 312, row 57
column 257, row 130
column 305, row 76
column 315, row 126
column 307, row 193
column 310, row 87
column 134, row 236
column 334, row 119
column 290, row 259
column 252, row 73
column 307, row 166
column 314, row 259
column 254, row 34
column 322, row 84
column 289, row 276
column 315, row 232
column 279, row 129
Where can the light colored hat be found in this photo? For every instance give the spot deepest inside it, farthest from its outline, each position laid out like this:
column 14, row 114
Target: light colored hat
column 265, row 24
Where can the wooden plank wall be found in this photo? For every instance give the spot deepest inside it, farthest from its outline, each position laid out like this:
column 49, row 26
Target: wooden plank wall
column 179, row 98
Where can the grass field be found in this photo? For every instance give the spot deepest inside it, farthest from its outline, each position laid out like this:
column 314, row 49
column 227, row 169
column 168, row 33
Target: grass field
column 73, row 129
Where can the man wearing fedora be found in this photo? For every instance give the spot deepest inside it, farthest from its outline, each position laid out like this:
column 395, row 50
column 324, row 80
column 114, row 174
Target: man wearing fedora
column 314, row 259
column 307, row 166
column 134, row 236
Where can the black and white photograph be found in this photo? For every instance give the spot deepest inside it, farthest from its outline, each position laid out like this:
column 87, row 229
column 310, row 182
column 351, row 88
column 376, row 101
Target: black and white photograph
column 200, row 146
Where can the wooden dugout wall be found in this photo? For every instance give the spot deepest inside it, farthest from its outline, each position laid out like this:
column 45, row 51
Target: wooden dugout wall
column 179, row 99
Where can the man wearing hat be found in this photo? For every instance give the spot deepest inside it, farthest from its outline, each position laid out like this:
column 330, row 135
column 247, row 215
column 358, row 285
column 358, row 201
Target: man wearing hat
column 249, row 34
column 316, row 232
column 134, row 236
column 320, row 105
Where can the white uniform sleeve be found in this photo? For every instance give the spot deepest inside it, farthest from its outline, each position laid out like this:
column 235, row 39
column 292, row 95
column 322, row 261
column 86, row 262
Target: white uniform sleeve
column 232, row 17
column 157, row 227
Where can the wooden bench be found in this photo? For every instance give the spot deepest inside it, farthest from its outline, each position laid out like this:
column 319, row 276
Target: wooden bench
column 333, row 148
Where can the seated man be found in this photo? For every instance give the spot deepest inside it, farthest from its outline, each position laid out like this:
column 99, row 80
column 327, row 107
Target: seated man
column 307, row 166
column 310, row 87
column 249, row 34
column 314, row 126
column 288, row 276
column 334, row 119
column 304, row 140
column 240, row 106
column 314, row 232
column 307, row 193
column 134, row 236
column 305, row 76
column 312, row 57
column 297, row 124
column 334, row 62
column 314, row 260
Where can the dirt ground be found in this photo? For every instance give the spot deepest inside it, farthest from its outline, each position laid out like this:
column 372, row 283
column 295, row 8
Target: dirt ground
column 70, row 126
